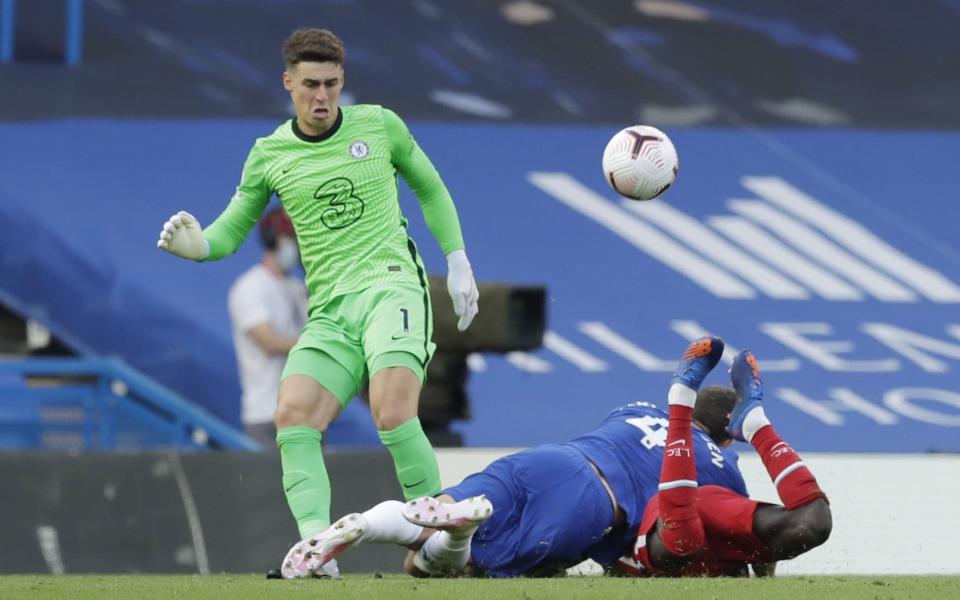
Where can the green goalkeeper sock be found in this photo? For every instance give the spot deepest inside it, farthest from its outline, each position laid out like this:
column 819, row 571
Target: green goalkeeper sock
column 414, row 459
column 305, row 480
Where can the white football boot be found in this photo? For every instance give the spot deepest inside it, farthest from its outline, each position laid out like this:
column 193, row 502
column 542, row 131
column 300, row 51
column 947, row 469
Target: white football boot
column 464, row 515
column 313, row 556
column 328, row 570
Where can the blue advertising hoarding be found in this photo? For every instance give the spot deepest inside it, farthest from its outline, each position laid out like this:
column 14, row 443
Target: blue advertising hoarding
column 831, row 254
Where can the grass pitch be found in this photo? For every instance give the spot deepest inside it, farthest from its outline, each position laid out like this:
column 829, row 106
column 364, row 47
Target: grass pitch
column 398, row 587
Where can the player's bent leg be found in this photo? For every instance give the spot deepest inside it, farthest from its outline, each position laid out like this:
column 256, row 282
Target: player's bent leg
column 386, row 524
column 681, row 530
column 382, row 524
column 748, row 421
column 806, row 520
column 408, row 563
column 394, row 396
column 446, row 552
column 303, row 401
column 443, row 554
column 305, row 409
column 440, row 555
column 410, row 567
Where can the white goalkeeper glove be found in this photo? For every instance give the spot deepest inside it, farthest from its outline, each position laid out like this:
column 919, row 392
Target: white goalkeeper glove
column 462, row 288
column 182, row 236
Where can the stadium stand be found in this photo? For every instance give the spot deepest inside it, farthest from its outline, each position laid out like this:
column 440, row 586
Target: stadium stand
column 709, row 63
column 116, row 164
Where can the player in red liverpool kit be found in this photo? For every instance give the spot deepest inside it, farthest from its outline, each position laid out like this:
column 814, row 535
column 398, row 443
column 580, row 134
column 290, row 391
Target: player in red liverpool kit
column 711, row 531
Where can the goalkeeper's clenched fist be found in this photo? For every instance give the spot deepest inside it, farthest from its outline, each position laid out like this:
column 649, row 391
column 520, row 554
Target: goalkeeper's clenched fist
column 182, row 236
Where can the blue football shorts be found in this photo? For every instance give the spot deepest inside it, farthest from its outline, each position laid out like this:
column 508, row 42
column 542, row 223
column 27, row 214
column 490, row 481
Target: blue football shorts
column 548, row 508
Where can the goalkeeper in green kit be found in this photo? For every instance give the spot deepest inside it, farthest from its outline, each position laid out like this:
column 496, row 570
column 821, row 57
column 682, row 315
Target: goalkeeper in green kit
column 334, row 170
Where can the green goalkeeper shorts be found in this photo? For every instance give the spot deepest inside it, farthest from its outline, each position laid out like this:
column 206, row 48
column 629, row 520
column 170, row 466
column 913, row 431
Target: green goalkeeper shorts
column 353, row 336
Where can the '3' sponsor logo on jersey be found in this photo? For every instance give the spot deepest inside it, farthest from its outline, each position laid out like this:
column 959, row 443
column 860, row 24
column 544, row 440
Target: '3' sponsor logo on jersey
column 343, row 207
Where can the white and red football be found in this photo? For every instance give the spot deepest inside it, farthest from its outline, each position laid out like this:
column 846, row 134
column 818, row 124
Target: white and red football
column 640, row 162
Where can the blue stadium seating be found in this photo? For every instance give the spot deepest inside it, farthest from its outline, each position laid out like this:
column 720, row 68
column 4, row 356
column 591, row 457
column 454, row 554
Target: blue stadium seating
column 97, row 404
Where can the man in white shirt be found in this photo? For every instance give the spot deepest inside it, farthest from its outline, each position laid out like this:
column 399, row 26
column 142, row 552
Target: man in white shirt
column 268, row 309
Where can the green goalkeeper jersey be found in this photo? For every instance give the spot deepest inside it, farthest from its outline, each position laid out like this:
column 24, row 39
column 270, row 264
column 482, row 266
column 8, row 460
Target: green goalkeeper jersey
column 340, row 190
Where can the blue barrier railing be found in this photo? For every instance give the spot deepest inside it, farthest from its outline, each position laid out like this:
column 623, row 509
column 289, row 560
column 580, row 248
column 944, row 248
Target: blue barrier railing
column 6, row 30
column 72, row 31
column 100, row 404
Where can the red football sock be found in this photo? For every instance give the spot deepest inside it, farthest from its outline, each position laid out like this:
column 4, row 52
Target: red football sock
column 681, row 530
column 793, row 480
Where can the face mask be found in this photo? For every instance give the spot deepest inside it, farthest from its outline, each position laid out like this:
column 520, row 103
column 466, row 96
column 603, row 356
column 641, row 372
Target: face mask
column 288, row 255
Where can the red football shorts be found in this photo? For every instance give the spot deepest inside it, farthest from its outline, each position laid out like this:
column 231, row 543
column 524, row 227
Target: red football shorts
column 730, row 544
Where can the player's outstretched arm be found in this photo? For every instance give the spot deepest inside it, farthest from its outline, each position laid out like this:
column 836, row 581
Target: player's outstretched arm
column 182, row 236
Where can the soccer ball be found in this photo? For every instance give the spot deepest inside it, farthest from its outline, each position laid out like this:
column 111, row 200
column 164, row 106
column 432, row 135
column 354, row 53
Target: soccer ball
column 640, row 162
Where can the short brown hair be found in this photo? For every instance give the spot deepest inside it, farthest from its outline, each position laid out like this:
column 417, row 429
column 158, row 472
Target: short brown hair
column 313, row 45
column 714, row 404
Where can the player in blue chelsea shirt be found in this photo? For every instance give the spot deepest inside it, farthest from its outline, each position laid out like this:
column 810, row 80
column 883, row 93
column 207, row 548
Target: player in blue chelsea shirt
column 540, row 511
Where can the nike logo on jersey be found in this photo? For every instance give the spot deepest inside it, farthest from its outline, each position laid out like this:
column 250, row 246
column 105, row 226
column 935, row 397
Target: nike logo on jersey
column 413, row 485
column 675, row 442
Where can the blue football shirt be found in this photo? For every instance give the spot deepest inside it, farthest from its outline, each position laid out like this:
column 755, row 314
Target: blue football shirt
column 627, row 447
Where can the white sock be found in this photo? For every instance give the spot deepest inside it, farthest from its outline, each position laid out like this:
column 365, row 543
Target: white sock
column 682, row 395
column 442, row 554
column 386, row 525
column 755, row 420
